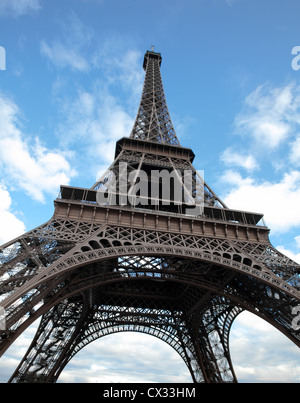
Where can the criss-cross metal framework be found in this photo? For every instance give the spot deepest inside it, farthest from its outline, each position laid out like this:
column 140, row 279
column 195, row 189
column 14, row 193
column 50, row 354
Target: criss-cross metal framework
column 99, row 268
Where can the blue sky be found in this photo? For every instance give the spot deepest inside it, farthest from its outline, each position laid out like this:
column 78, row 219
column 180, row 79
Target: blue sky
column 72, row 87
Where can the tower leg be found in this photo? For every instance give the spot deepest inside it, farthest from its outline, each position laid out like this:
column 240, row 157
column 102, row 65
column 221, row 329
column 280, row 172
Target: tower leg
column 55, row 333
column 210, row 335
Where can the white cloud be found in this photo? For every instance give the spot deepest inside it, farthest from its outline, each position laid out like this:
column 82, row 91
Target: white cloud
column 96, row 120
column 10, row 225
column 126, row 357
column 270, row 115
column 63, row 56
column 120, row 66
column 18, row 7
column 69, row 52
column 279, row 201
column 295, row 152
column 270, row 125
column 96, row 117
column 232, row 158
column 291, row 254
column 260, row 353
column 31, row 167
column 12, row 357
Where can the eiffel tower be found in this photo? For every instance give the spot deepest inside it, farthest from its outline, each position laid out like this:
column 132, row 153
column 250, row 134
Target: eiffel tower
column 124, row 255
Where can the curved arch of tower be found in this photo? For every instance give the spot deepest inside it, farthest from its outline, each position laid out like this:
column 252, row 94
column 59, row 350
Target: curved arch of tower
column 148, row 248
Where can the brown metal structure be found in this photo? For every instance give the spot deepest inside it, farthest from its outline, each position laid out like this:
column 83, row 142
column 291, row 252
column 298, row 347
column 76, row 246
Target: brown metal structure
column 147, row 266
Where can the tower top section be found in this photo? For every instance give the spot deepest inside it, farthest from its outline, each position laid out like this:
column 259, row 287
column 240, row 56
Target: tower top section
column 151, row 55
column 153, row 122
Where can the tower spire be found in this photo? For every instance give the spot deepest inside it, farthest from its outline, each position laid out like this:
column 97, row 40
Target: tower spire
column 153, row 122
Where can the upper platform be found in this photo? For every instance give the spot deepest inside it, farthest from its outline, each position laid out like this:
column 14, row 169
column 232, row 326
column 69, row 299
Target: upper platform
column 161, row 149
column 151, row 55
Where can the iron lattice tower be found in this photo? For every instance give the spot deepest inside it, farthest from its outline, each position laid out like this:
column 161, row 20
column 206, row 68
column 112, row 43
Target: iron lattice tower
column 148, row 266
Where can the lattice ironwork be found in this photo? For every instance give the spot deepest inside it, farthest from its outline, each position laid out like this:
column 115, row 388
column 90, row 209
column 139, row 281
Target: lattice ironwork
column 153, row 122
column 96, row 269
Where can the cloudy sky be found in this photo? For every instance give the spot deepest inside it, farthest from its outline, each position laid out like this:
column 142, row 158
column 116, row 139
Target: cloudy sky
column 71, row 87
